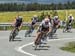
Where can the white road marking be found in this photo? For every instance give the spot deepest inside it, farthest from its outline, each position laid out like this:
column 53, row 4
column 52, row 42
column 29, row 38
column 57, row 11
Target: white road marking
column 24, row 52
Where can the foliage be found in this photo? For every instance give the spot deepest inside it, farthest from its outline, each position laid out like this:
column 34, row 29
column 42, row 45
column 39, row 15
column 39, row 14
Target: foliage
column 36, row 6
column 69, row 47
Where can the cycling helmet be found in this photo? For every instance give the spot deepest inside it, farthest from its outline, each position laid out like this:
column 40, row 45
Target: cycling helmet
column 46, row 20
column 56, row 16
column 20, row 17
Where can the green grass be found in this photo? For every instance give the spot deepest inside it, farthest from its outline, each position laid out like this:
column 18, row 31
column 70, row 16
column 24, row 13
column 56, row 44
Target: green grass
column 27, row 15
column 70, row 47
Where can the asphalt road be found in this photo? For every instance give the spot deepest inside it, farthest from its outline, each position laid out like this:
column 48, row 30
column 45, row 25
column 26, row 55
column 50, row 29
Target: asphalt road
column 23, row 46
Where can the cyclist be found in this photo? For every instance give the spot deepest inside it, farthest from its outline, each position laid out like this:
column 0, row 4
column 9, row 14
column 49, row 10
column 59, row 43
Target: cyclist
column 18, row 22
column 56, row 24
column 51, row 21
column 69, row 22
column 45, row 27
column 17, row 26
column 32, row 25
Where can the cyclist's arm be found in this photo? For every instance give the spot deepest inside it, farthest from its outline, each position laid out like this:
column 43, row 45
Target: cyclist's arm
column 50, row 28
column 13, row 23
column 21, row 25
column 58, row 25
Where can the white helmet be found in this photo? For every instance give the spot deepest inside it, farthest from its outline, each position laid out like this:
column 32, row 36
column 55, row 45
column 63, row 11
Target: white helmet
column 56, row 17
column 20, row 17
column 46, row 20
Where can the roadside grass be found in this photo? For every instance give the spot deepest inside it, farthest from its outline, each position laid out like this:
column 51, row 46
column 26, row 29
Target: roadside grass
column 70, row 47
column 27, row 15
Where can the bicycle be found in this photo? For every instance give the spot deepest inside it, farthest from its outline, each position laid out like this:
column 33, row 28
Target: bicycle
column 13, row 34
column 67, row 28
column 42, row 37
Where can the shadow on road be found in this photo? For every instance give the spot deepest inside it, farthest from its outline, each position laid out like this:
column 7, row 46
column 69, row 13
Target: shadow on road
column 42, row 48
column 39, row 49
column 17, row 39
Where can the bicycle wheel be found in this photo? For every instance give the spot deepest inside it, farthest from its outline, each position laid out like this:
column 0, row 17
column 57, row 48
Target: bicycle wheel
column 13, row 34
column 11, row 37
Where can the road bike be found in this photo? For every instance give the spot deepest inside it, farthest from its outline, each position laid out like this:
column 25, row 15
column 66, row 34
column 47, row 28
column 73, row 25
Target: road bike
column 13, row 34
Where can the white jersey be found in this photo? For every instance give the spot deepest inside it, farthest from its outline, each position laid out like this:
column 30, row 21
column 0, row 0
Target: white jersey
column 45, row 25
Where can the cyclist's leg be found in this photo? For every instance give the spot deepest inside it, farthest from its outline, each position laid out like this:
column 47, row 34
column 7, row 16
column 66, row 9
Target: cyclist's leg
column 15, row 32
column 67, row 27
column 50, row 35
column 38, row 38
column 69, row 30
column 11, row 34
column 31, row 29
column 11, row 37
column 28, row 31
column 55, row 29
column 44, row 37
column 64, row 28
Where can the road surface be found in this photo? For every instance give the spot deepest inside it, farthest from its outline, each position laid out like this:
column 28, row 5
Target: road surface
column 23, row 46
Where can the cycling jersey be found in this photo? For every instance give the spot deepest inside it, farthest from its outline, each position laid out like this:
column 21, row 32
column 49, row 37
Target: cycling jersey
column 70, row 19
column 44, row 26
column 18, row 22
column 55, row 22
column 34, row 20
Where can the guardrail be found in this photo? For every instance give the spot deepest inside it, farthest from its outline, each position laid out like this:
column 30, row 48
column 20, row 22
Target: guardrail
column 5, row 25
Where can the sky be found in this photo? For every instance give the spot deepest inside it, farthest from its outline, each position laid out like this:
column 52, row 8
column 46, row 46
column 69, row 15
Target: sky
column 38, row 1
